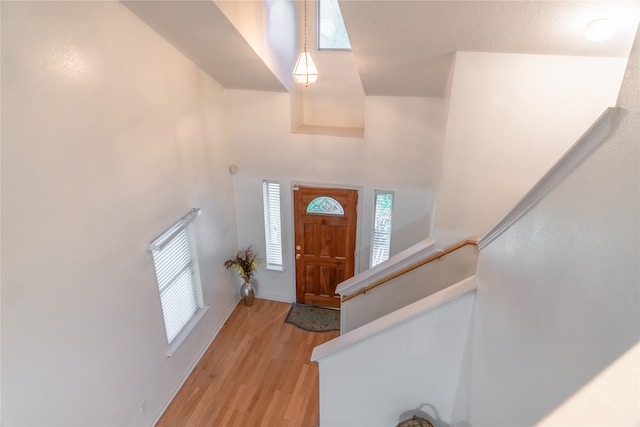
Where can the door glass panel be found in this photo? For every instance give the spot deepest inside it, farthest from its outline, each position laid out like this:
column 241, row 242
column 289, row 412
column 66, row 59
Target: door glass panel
column 325, row 205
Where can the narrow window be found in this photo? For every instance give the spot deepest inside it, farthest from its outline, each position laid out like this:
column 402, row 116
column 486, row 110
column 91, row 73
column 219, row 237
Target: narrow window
column 332, row 33
column 272, row 226
column 381, row 239
column 174, row 260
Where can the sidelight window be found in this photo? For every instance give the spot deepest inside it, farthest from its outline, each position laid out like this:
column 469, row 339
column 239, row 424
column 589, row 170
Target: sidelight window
column 381, row 238
column 272, row 224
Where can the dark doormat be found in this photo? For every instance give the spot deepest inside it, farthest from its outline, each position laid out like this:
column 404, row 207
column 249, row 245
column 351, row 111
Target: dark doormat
column 314, row 319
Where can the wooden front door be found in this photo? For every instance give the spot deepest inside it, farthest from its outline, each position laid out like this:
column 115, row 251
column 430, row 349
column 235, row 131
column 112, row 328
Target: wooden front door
column 325, row 242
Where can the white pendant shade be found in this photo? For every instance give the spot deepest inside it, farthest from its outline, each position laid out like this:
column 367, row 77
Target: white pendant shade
column 305, row 71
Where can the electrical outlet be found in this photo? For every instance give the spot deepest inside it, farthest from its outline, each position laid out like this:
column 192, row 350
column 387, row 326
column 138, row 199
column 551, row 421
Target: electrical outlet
column 142, row 407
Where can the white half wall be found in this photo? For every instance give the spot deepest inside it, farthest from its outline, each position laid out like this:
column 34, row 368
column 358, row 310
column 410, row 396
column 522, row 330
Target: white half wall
column 408, row 288
column 400, row 152
column 556, row 326
column 109, row 136
column 511, row 116
column 406, row 361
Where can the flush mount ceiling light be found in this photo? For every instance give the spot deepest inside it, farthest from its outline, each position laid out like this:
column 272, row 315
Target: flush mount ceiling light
column 305, row 71
column 600, row 30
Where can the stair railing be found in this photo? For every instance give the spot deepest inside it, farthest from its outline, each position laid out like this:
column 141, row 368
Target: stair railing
column 404, row 282
column 438, row 255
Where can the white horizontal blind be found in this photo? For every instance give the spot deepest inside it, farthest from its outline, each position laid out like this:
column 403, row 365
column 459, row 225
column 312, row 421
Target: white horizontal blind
column 272, row 225
column 381, row 235
column 176, row 276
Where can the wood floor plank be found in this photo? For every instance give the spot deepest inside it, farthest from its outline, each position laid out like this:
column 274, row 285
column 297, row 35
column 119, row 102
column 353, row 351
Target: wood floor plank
column 256, row 372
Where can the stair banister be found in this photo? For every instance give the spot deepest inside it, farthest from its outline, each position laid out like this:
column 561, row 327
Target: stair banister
column 441, row 253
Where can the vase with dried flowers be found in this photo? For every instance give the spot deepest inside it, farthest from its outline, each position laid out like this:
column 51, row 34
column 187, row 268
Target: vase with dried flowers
column 245, row 263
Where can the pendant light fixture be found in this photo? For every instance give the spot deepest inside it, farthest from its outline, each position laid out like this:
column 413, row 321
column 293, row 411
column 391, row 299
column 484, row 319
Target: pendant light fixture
column 305, row 71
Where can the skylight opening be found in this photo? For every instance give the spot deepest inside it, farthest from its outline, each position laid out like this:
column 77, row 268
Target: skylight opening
column 332, row 33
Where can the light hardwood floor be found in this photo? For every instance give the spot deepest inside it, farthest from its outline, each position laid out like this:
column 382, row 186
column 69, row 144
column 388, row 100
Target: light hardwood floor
column 255, row 373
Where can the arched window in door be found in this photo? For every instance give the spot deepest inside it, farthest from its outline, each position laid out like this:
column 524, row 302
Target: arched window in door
column 325, row 205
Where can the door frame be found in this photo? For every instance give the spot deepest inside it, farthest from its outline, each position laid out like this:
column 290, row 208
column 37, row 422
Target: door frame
column 292, row 238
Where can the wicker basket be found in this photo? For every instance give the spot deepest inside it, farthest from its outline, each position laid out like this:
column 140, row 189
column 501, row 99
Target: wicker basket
column 415, row 421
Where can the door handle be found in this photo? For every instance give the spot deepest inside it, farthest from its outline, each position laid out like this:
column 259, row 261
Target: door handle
column 297, row 256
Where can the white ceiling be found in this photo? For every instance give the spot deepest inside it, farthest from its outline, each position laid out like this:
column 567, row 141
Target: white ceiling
column 401, row 48
column 407, row 47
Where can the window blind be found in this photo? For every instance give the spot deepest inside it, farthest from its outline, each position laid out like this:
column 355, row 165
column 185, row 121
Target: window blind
column 381, row 235
column 173, row 259
column 272, row 225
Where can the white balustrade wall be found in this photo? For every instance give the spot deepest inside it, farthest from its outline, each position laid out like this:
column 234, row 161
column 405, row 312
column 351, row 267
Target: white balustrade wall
column 398, row 363
column 408, row 288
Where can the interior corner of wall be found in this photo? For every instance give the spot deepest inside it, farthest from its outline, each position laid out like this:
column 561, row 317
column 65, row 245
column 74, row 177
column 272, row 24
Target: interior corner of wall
column 296, row 104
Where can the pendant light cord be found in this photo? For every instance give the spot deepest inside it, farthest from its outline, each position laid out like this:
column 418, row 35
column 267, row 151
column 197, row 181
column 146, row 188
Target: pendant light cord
column 305, row 25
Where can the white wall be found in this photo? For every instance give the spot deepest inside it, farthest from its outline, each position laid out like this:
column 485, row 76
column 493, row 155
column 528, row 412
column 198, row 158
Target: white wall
column 337, row 98
column 416, row 365
column 511, row 116
column 109, row 136
column 556, row 327
column 400, row 152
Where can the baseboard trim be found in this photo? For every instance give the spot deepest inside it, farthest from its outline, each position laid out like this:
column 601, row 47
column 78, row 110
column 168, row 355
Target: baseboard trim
column 275, row 297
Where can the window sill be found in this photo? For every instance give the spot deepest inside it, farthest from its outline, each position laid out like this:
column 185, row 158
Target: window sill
column 186, row 330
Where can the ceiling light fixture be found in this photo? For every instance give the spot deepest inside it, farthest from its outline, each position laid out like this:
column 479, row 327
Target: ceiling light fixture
column 305, row 71
column 600, row 30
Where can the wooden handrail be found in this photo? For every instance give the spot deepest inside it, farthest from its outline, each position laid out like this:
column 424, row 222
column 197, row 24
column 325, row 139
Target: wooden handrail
column 409, row 268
